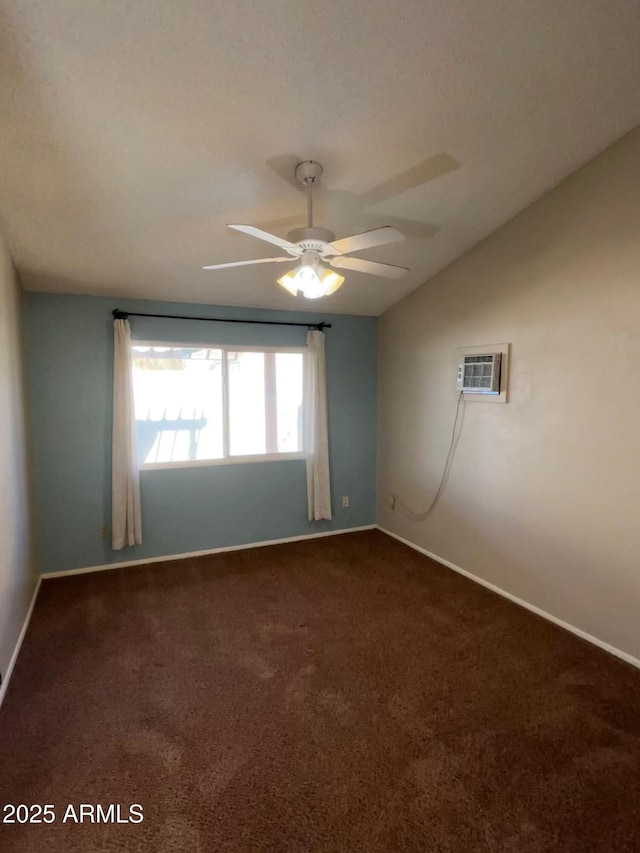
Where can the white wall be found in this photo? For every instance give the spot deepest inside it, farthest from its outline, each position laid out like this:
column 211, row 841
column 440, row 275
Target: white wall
column 17, row 564
column 544, row 494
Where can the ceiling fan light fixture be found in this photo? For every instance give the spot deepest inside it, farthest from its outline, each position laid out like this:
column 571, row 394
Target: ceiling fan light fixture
column 310, row 282
column 288, row 281
column 311, row 279
column 304, row 279
column 331, row 281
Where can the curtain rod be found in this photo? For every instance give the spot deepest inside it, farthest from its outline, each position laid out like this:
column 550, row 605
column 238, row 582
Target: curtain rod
column 123, row 315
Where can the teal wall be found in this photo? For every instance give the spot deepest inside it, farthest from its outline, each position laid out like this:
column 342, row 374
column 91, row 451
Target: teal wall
column 70, row 368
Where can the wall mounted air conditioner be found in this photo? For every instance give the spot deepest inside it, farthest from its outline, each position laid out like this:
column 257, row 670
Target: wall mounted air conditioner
column 480, row 373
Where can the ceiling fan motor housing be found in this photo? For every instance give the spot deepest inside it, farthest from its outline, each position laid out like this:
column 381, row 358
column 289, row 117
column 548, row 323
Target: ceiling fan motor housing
column 312, row 239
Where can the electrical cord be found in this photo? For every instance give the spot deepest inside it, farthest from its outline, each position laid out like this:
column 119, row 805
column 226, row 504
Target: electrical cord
column 422, row 516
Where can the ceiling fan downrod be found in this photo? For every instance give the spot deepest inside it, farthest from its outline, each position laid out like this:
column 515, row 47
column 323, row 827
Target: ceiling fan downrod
column 308, row 172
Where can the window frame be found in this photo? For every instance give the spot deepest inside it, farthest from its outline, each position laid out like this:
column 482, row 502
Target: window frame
column 227, row 459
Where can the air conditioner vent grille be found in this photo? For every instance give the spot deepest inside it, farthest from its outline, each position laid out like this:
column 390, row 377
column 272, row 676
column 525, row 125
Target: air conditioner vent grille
column 480, row 374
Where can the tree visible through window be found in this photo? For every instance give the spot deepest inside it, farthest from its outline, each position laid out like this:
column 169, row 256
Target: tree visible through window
column 195, row 404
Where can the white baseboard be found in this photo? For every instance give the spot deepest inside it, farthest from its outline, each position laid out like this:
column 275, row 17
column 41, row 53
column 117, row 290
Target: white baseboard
column 14, row 657
column 520, row 601
column 189, row 554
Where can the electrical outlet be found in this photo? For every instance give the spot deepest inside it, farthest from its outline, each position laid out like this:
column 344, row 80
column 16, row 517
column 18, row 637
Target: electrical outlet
column 392, row 501
column 345, row 501
column 104, row 532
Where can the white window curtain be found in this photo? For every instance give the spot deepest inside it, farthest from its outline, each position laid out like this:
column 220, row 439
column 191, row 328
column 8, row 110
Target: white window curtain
column 316, row 433
column 126, row 523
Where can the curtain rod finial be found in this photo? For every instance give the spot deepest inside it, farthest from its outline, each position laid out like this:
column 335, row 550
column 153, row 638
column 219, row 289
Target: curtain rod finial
column 119, row 315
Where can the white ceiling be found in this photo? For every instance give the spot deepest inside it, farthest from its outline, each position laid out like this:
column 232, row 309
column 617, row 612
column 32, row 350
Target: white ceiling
column 133, row 131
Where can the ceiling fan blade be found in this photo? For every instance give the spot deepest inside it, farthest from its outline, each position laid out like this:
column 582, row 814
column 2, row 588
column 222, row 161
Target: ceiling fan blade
column 247, row 263
column 370, row 267
column 367, row 240
column 428, row 170
column 252, row 231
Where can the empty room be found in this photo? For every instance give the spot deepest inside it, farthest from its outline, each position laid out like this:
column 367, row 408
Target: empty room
column 319, row 469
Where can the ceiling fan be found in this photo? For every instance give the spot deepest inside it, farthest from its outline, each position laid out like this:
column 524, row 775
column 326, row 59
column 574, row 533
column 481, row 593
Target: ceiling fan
column 315, row 248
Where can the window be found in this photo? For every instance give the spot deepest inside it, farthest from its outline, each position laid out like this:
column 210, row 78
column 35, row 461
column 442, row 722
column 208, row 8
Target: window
column 215, row 404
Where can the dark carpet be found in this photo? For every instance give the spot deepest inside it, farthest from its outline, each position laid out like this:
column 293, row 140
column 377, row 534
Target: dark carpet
column 342, row 694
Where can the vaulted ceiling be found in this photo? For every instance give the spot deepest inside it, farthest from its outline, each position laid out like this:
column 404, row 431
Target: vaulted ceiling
column 132, row 132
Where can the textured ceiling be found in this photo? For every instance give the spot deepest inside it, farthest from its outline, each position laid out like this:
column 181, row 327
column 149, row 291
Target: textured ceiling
column 131, row 132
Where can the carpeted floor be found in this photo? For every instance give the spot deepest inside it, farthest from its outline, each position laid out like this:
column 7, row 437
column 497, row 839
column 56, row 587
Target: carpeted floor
column 344, row 694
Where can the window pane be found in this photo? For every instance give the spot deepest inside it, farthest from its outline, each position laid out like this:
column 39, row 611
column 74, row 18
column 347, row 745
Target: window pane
column 289, row 401
column 178, row 403
column 247, row 421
